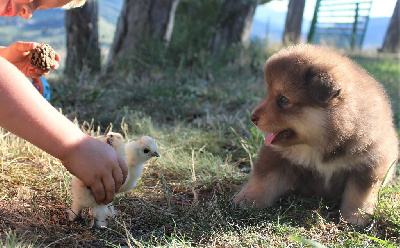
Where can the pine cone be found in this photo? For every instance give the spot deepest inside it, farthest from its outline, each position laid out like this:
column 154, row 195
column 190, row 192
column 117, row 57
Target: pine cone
column 43, row 57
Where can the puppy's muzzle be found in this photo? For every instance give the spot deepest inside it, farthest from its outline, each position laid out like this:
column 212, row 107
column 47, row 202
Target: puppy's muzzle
column 254, row 118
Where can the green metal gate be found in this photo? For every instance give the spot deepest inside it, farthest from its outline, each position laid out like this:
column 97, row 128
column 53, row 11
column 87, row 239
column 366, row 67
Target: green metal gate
column 341, row 23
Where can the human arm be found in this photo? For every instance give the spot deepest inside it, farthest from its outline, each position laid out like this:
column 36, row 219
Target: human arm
column 18, row 54
column 27, row 114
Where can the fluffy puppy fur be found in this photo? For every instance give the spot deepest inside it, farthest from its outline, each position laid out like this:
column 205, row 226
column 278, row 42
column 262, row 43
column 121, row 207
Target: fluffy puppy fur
column 135, row 155
column 329, row 132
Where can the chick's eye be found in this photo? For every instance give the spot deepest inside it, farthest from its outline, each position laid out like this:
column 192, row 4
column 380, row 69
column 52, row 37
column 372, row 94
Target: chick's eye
column 146, row 150
column 282, row 101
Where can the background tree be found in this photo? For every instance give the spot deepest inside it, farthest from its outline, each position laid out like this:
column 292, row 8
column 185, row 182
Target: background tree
column 82, row 38
column 294, row 19
column 233, row 24
column 391, row 42
column 142, row 22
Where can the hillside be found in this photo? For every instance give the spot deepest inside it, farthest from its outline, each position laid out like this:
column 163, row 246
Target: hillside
column 43, row 27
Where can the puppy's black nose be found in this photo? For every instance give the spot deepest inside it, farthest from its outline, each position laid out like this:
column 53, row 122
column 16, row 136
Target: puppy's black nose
column 254, row 118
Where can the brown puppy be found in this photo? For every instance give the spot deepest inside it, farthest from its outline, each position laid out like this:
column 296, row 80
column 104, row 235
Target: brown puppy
column 329, row 133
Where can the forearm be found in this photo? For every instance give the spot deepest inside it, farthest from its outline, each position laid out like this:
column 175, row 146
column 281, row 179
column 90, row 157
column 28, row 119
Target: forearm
column 26, row 113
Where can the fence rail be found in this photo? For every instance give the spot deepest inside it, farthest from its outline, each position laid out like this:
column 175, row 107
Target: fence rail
column 349, row 19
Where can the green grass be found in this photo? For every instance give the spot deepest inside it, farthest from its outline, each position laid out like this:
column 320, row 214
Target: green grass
column 199, row 117
column 387, row 71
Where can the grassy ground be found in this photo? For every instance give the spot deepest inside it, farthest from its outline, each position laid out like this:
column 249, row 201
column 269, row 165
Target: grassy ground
column 199, row 118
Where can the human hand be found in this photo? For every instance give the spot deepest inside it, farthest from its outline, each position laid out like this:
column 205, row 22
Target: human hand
column 99, row 167
column 18, row 55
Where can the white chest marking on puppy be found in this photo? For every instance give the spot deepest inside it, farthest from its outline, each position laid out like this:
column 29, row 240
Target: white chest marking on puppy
column 308, row 157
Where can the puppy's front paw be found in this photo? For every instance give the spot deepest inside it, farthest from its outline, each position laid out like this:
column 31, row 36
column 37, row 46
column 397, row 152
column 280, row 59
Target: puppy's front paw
column 240, row 199
column 356, row 218
column 252, row 195
column 247, row 199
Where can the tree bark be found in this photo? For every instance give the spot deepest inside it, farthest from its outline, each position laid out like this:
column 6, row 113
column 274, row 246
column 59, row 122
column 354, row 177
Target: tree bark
column 82, row 39
column 391, row 43
column 294, row 19
column 141, row 21
column 233, row 24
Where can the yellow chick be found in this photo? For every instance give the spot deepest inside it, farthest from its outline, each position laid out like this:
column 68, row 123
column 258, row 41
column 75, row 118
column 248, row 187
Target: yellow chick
column 135, row 154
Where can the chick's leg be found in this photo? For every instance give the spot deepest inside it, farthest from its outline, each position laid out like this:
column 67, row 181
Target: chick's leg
column 82, row 197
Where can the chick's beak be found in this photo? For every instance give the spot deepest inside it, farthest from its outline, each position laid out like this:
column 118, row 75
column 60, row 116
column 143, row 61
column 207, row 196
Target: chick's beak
column 155, row 154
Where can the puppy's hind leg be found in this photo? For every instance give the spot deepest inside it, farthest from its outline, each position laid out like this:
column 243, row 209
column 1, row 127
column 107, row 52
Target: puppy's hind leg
column 359, row 199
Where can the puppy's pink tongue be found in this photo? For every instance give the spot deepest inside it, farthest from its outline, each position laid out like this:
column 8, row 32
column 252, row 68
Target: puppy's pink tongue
column 269, row 137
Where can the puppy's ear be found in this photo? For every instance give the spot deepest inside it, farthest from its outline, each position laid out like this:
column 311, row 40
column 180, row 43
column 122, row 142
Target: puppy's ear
column 321, row 86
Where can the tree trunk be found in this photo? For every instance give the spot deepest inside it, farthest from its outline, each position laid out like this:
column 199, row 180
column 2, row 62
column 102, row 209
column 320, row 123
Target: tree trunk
column 233, row 24
column 392, row 38
column 294, row 19
column 82, row 39
column 141, row 21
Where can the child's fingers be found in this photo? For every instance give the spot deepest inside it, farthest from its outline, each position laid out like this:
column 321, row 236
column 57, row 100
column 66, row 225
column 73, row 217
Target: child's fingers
column 34, row 73
column 124, row 169
column 57, row 58
column 55, row 66
column 109, row 186
column 99, row 192
column 25, row 46
column 41, row 72
column 117, row 175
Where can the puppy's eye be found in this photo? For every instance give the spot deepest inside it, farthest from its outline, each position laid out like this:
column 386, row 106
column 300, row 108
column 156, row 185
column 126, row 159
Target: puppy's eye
column 282, row 101
column 146, row 150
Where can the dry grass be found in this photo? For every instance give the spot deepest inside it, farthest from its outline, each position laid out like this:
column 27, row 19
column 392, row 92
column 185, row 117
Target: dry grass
column 183, row 199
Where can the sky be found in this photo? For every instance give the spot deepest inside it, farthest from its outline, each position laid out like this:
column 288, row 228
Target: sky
column 380, row 8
